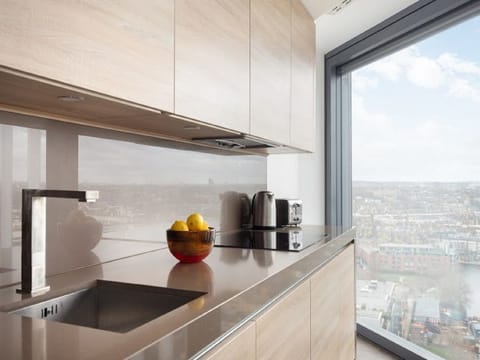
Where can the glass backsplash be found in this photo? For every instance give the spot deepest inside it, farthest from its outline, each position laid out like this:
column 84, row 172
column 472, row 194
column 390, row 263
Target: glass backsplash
column 144, row 183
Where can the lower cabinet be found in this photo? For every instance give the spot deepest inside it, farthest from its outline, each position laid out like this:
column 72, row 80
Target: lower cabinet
column 315, row 320
column 333, row 309
column 283, row 331
column 238, row 346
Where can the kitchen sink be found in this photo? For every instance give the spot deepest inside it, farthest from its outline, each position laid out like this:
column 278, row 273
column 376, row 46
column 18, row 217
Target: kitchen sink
column 112, row 306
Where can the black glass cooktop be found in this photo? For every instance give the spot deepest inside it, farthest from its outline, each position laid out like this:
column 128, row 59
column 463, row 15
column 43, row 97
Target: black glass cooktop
column 285, row 239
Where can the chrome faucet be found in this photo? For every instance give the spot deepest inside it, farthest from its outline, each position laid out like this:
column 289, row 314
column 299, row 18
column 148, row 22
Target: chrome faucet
column 34, row 234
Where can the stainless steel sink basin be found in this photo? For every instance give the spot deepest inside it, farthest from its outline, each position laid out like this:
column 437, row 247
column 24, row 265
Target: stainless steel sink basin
column 111, row 306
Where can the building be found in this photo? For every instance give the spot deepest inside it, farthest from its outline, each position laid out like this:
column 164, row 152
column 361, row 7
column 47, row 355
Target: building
column 426, row 310
column 413, row 258
column 374, row 300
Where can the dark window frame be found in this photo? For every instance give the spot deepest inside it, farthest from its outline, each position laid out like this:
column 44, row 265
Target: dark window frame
column 418, row 21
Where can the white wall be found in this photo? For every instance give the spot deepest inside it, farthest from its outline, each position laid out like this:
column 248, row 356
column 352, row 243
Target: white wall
column 302, row 176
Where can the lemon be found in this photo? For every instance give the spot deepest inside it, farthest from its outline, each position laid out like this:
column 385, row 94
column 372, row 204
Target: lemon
column 179, row 225
column 204, row 226
column 195, row 222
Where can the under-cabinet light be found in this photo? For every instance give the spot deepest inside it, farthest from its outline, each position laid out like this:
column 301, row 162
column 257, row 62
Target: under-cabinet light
column 180, row 117
column 191, row 127
column 70, row 98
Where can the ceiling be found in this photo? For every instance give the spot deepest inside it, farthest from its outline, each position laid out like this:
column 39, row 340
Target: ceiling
column 318, row 8
column 353, row 19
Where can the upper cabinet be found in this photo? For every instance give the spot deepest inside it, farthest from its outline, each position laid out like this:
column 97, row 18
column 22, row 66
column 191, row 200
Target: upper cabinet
column 270, row 69
column 119, row 48
column 212, row 57
column 302, row 124
column 227, row 66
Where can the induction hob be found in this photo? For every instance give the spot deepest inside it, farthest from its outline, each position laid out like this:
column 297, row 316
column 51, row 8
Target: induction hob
column 283, row 239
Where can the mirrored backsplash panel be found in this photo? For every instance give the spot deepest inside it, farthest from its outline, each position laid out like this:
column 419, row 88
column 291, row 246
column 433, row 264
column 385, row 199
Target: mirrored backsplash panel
column 144, row 183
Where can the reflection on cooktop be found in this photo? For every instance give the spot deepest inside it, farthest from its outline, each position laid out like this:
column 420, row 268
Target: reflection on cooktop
column 286, row 239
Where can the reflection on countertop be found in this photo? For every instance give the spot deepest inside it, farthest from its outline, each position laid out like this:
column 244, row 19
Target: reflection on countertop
column 198, row 276
column 104, row 251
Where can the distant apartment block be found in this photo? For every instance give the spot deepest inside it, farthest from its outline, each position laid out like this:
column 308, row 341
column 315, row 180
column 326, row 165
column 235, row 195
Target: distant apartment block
column 415, row 258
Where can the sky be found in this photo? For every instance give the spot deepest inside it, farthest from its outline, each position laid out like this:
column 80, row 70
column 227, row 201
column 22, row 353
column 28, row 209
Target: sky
column 416, row 113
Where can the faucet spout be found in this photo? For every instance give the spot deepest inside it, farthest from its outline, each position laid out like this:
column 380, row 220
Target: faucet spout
column 34, row 234
column 91, row 196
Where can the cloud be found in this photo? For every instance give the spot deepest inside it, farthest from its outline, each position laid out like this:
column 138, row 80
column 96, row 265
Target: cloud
column 453, row 63
column 388, row 68
column 368, row 120
column 428, row 149
column 436, row 143
column 419, row 70
column 363, row 83
column 464, row 89
column 456, row 76
column 425, row 72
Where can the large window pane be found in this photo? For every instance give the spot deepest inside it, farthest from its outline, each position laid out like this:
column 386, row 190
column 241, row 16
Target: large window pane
column 416, row 192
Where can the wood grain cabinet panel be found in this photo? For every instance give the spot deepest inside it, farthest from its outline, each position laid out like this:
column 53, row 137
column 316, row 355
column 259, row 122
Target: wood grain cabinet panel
column 122, row 48
column 302, row 124
column 212, row 56
column 283, row 331
column 333, row 309
column 238, row 346
column 270, row 69
column 346, row 301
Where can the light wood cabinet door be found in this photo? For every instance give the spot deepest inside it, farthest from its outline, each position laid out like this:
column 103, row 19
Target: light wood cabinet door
column 302, row 124
column 238, row 346
column 270, row 69
column 122, row 48
column 346, row 302
column 333, row 309
column 283, row 331
column 212, row 56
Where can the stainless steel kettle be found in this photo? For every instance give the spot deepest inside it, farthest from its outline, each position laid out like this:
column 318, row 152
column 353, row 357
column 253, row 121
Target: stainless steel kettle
column 264, row 210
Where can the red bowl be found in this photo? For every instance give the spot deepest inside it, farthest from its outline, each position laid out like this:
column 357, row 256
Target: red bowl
column 190, row 246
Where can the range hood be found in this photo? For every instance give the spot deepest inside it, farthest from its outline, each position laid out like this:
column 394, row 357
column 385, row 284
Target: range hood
column 237, row 142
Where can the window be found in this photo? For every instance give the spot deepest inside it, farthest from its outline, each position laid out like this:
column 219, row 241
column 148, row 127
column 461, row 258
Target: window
column 416, row 231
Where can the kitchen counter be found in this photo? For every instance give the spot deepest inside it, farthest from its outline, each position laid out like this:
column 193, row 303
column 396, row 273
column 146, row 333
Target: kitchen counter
column 239, row 284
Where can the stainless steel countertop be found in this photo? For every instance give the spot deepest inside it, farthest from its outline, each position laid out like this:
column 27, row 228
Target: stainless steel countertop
column 239, row 284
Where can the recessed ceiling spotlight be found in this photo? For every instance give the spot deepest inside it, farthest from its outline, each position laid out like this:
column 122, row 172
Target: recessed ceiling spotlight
column 70, row 98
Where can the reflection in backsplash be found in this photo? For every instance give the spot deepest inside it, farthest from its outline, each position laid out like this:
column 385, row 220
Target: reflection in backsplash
column 145, row 188
column 144, row 184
